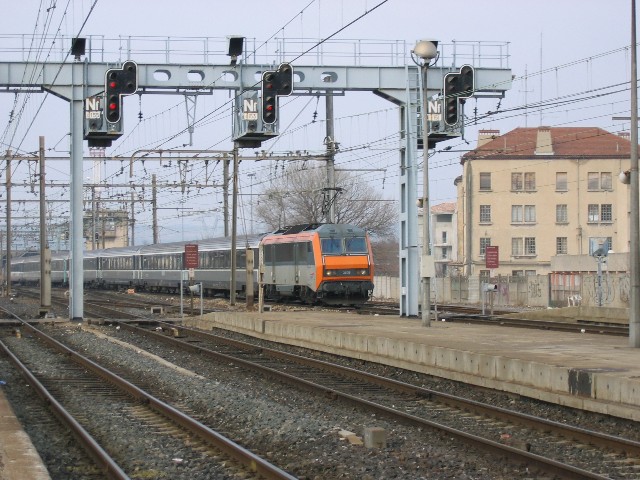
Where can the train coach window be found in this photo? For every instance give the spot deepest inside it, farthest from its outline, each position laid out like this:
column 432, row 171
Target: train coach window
column 331, row 245
column 284, row 252
column 304, row 252
column 241, row 258
column 356, row 245
column 267, row 253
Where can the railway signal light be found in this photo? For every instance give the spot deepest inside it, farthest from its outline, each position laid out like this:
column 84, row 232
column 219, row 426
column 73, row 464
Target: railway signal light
column 275, row 84
column 118, row 83
column 285, row 79
column 458, row 86
column 269, row 97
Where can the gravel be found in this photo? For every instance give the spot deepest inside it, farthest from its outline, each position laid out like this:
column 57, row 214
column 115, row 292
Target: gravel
column 301, row 433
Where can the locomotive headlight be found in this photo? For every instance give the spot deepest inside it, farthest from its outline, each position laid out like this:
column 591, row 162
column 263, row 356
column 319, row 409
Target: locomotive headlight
column 364, row 271
column 330, row 273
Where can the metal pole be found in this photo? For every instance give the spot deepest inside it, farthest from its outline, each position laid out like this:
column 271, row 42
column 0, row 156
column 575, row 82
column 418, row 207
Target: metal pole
column 133, row 221
column 599, row 281
column 634, row 228
column 76, row 298
column 45, row 254
column 94, row 218
column 331, row 148
column 154, row 209
column 9, row 232
column 234, row 226
column 426, row 247
column 225, row 194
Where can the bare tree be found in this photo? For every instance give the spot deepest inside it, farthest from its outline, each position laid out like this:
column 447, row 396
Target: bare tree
column 297, row 197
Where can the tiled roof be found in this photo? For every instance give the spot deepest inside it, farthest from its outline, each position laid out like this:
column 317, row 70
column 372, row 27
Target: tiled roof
column 446, row 207
column 565, row 142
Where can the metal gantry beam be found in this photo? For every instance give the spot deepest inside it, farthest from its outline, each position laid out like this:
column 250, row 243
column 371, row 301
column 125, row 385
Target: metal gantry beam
column 74, row 82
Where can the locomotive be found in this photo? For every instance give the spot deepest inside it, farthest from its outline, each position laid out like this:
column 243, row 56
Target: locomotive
column 313, row 263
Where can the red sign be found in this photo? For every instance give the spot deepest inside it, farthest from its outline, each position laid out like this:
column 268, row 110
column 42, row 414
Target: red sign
column 191, row 256
column 491, row 257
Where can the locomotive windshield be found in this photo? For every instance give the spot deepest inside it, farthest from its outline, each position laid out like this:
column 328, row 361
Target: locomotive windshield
column 356, row 245
column 339, row 246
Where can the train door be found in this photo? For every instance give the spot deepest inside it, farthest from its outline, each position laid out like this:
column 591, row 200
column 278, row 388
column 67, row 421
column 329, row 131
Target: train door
column 305, row 264
column 268, row 263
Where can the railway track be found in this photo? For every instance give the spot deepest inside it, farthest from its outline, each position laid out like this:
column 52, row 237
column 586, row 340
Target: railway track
column 550, row 447
column 103, row 305
column 104, row 412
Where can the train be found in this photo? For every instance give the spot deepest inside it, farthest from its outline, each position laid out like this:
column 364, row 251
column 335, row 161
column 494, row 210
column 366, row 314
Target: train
column 312, row 263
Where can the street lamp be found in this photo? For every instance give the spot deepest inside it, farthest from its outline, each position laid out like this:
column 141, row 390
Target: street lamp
column 426, row 50
column 634, row 227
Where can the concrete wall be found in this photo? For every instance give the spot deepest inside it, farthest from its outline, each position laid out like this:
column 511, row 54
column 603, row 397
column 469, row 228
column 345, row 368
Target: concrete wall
column 538, row 291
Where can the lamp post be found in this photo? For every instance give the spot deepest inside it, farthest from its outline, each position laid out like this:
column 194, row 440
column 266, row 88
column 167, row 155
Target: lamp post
column 427, row 50
column 634, row 232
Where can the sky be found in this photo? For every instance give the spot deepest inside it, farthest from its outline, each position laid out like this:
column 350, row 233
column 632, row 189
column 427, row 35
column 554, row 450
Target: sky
column 570, row 60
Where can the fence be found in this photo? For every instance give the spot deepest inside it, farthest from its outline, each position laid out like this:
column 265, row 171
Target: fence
column 542, row 291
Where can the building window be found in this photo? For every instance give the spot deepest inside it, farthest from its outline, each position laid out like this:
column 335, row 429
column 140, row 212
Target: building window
column 562, row 215
column 528, row 273
column 530, row 214
column 561, row 182
column 597, row 181
column 516, row 214
column 485, row 213
column 517, row 273
column 530, row 246
column 444, row 237
column 561, row 245
column 516, row 247
column 530, row 181
column 523, row 246
column 485, row 181
column 484, row 242
column 523, row 213
column 516, row 181
column 600, row 213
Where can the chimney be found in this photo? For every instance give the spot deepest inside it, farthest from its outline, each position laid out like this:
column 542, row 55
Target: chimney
column 485, row 136
column 544, row 146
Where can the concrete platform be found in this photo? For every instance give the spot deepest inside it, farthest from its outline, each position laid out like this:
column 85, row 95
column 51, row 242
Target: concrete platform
column 19, row 459
column 593, row 372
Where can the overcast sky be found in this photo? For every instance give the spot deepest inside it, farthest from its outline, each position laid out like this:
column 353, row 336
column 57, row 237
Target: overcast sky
column 560, row 52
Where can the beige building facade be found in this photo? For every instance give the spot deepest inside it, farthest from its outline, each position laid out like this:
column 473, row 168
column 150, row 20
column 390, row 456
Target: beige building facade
column 536, row 193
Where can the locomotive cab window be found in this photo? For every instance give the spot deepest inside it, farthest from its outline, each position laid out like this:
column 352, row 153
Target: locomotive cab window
column 356, row 245
column 331, row 246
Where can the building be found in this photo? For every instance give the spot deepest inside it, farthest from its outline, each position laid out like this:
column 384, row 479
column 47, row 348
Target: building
column 540, row 192
column 444, row 237
column 106, row 229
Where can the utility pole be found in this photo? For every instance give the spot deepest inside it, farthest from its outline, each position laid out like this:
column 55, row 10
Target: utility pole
column 9, row 236
column 45, row 252
column 234, row 226
column 225, row 192
column 133, row 220
column 331, row 165
column 154, row 210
